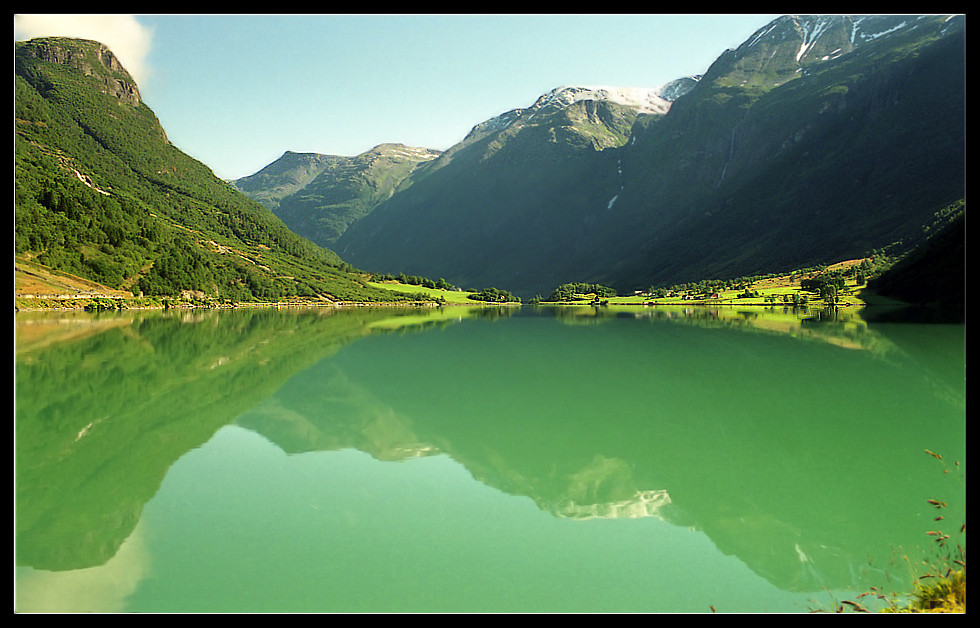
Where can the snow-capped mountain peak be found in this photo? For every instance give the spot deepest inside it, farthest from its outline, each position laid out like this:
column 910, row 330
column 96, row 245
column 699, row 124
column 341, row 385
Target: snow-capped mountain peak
column 648, row 100
column 833, row 35
column 655, row 100
column 643, row 99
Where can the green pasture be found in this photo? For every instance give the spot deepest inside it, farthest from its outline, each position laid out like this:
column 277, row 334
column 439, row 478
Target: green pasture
column 450, row 296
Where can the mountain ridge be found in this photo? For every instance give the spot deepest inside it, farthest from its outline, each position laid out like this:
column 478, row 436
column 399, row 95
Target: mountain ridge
column 818, row 138
column 325, row 222
column 318, row 195
column 761, row 136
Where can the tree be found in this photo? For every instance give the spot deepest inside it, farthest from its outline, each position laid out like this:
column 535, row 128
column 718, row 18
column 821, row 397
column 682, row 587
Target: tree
column 568, row 291
column 493, row 295
column 828, row 292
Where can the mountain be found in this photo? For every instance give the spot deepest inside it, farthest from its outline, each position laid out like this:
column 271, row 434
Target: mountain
column 498, row 206
column 288, row 174
column 101, row 193
column 820, row 138
column 934, row 272
column 318, row 196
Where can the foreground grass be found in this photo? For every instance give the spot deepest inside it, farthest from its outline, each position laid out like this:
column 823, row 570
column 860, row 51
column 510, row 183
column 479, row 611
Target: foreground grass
column 931, row 594
column 947, row 594
column 940, row 586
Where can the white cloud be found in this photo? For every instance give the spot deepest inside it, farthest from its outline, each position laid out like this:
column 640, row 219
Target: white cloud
column 129, row 40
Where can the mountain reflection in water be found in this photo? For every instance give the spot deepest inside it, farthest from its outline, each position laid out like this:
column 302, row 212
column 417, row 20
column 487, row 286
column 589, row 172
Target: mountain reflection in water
column 795, row 445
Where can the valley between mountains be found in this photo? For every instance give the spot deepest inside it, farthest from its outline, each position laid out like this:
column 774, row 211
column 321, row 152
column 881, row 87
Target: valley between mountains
column 820, row 139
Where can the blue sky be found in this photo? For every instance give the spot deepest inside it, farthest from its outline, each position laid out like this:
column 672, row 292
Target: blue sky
column 236, row 91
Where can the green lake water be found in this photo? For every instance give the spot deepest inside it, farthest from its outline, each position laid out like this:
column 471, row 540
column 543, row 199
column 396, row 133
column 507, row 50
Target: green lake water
column 481, row 460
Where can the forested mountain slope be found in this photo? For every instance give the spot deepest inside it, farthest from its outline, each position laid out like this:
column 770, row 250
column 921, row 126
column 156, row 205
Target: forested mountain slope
column 821, row 138
column 100, row 192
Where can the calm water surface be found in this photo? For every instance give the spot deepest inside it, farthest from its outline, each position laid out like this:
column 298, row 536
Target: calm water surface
column 648, row 460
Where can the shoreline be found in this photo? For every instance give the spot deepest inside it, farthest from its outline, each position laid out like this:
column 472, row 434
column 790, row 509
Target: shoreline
column 105, row 303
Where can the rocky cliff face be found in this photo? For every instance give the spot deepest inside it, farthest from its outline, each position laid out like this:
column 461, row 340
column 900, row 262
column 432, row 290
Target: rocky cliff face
column 92, row 59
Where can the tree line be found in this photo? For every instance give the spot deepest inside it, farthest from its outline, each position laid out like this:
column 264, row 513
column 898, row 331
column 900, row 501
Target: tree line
column 574, row 290
column 415, row 280
column 494, row 295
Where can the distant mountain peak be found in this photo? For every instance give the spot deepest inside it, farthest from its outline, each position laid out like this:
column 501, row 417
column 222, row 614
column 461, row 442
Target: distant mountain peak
column 787, row 44
column 416, row 153
column 646, row 100
column 643, row 99
column 807, row 29
column 655, row 100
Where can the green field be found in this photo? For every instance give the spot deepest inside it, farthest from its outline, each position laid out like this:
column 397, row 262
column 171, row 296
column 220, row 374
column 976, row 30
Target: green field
column 450, row 296
column 768, row 291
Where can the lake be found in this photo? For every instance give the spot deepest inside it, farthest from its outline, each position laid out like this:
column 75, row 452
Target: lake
column 661, row 459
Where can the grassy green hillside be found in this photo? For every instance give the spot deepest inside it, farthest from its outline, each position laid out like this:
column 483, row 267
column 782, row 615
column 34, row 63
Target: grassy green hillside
column 101, row 193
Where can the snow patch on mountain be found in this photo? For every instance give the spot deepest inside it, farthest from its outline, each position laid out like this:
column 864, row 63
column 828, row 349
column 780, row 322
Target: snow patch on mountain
column 497, row 123
column 649, row 100
column 643, row 99
column 809, row 28
column 411, row 152
column 761, row 33
column 812, row 29
column 873, row 29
